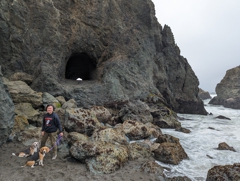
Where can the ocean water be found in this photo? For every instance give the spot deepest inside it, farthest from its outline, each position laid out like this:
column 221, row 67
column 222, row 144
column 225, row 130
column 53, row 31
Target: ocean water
column 203, row 141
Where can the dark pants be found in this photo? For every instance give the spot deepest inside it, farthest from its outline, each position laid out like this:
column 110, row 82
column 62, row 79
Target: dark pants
column 53, row 138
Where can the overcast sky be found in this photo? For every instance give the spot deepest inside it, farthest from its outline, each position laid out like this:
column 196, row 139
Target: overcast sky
column 207, row 33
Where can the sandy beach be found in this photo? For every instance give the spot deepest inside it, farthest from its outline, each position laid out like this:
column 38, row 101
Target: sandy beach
column 64, row 168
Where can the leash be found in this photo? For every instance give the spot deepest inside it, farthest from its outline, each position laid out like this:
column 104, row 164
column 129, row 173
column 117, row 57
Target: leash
column 57, row 142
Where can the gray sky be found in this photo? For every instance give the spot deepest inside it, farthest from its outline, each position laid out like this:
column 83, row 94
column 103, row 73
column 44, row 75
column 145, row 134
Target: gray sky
column 207, row 33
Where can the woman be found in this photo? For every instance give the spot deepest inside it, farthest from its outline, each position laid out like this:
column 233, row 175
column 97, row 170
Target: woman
column 51, row 124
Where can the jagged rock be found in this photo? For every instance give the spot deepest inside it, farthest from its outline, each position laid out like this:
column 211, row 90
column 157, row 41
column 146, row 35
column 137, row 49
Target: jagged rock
column 165, row 118
column 170, row 150
column 27, row 110
column 118, row 48
column 100, row 157
column 20, row 123
column 228, row 90
column 152, row 167
column 204, row 94
column 153, row 145
column 222, row 117
column 6, row 111
column 28, row 79
column 179, row 178
column 139, row 150
column 49, row 99
column 103, row 115
column 184, row 130
column 136, row 110
column 30, row 135
column 72, row 137
column 22, row 93
column 111, row 135
column 226, row 172
column 61, row 99
column 81, row 121
column 69, row 104
column 225, row 146
column 154, row 130
column 135, row 130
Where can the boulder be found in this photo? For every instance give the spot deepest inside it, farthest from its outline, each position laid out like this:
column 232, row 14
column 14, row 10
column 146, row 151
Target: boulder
column 6, row 111
column 225, row 146
column 81, row 121
column 27, row 110
column 226, row 172
column 69, row 104
column 154, row 130
column 179, row 178
column 228, row 90
column 22, row 76
column 165, row 117
column 139, row 150
column 170, row 150
column 136, row 110
column 30, row 135
column 49, row 99
column 118, row 49
column 72, row 137
column 22, row 93
column 204, row 94
column 103, row 115
column 222, row 117
column 135, row 130
column 100, row 157
column 184, row 130
column 20, row 124
column 61, row 99
column 110, row 135
column 152, row 167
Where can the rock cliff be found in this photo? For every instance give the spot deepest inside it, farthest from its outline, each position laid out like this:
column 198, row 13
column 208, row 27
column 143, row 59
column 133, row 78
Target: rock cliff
column 6, row 111
column 118, row 48
column 228, row 90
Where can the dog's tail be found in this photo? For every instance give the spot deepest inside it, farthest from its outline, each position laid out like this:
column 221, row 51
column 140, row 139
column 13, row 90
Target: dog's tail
column 14, row 154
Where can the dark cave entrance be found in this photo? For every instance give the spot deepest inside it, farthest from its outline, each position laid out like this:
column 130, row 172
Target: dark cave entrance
column 80, row 65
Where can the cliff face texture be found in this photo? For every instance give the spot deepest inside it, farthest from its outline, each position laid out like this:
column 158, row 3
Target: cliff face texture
column 116, row 46
column 6, row 112
column 228, row 90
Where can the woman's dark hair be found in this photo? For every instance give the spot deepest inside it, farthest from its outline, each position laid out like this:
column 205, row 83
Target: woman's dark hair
column 50, row 105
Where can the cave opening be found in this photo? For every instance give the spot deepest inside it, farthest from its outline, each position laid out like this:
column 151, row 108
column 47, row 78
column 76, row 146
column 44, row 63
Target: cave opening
column 80, row 65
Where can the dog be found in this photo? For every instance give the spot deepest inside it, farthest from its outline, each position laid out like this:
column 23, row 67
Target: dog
column 37, row 158
column 42, row 154
column 28, row 152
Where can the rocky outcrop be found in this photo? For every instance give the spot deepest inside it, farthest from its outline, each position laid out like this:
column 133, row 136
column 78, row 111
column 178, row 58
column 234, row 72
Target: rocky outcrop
column 117, row 47
column 6, row 111
column 228, row 90
column 170, row 150
column 204, row 94
column 226, row 172
column 225, row 146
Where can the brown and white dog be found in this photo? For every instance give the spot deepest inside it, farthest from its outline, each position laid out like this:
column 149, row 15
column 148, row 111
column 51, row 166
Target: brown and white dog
column 42, row 154
column 29, row 151
column 37, row 157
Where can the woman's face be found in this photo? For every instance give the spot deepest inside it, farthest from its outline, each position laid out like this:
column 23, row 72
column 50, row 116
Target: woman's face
column 50, row 109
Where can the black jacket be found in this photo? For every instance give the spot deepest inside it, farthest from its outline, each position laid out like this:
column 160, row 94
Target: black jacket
column 51, row 123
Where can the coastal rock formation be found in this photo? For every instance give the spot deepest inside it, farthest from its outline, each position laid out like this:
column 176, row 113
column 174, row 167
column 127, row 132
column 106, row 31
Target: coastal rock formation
column 204, row 94
column 228, row 90
column 226, row 172
column 225, row 146
column 117, row 48
column 6, row 111
column 170, row 150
